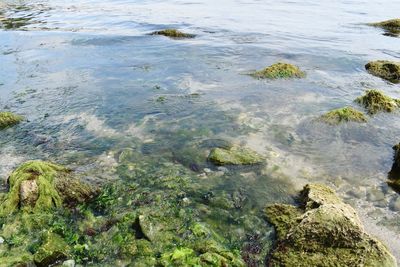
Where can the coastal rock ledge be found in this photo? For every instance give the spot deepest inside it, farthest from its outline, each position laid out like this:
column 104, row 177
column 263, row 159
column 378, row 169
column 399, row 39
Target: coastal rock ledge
column 323, row 231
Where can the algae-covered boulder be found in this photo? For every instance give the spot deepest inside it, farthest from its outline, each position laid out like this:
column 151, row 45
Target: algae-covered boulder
column 394, row 174
column 375, row 101
column 340, row 115
column 53, row 250
column 234, row 156
column 8, row 119
column 323, row 231
column 391, row 27
column 387, row 70
column 279, row 71
column 173, row 33
column 39, row 186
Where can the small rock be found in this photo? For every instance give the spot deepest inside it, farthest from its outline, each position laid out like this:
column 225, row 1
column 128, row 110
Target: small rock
column 207, row 170
column 395, row 205
column 375, row 195
column 69, row 263
column 1, row 240
column 28, row 192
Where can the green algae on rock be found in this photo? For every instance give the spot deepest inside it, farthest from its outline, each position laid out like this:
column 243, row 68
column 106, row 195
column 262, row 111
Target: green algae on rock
column 234, row 156
column 340, row 115
column 38, row 186
column 394, row 174
column 375, row 101
column 323, row 231
column 173, row 33
column 391, row 27
column 8, row 119
column 279, row 70
column 387, row 70
column 54, row 249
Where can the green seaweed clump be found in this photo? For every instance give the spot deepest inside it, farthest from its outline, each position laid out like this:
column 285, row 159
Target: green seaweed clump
column 38, row 186
column 173, row 33
column 234, row 156
column 279, row 71
column 323, row 231
column 8, row 119
column 394, row 174
column 387, row 70
column 375, row 101
column 340, row 115
column 391, row 27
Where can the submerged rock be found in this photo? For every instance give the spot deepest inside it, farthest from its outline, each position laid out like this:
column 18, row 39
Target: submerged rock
column 375, row 101
column 279, row 71
column 53, row 250
column 340, row 115
column 323, row 231
column 385, row 69
column 391, row 27
column 173, row 33
column 8, row 119
column 234, row 156
column 39, row 186
column 394, row 174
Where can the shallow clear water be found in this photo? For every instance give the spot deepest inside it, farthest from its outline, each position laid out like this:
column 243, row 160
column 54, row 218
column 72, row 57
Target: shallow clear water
column 87, row 77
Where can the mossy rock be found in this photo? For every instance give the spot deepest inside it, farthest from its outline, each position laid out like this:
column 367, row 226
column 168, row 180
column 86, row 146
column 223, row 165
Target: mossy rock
column 323, row 231
column 234, row 156
column 391, row 27
column 279, row 71
column 341, row 115
column 173, row 33
column 38, row 186
column 375, row 101
column 387, row 70
column 394, row 174
column 8, row 119
column 53, row 250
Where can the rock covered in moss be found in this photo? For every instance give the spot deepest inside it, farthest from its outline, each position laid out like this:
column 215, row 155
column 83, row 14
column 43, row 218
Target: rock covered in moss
column 234, row 156
column 53, row 250
column 8, row 119
column 387, row 70
column 391, row 27
column 340, row 115
column 323, row 231
column 279, row 70
column 375, row 101
column 173, row 33
column 39, row 186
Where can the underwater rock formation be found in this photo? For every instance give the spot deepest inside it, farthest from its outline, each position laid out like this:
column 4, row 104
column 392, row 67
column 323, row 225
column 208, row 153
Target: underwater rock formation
column 53, row 249
column 374, row 101
column 8, row 119
column 38, row 186
column 394, row 174
column 391, row 27
column 323, row 231
column 173, row 33
column 279, row 70
column 387, row 70
column 340, row 115
column 234, row 156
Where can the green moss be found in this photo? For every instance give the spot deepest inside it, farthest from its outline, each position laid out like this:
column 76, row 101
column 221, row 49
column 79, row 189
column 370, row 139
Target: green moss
column 53, row 250
column 387, row 70
column 375, row 101
column 279, row 71
column 180, row 257
column 38, row 186
column 43, row 173
column 8, row 119
column 234, row 156
column 173, row 33
column 391, row 27
column 341, row 115
column 323, row 231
